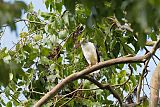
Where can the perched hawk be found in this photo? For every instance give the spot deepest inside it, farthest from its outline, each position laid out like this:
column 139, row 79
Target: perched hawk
column 90, row 52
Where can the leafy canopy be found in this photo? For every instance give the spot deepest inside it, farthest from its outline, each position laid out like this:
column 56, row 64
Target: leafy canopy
column 49, row 51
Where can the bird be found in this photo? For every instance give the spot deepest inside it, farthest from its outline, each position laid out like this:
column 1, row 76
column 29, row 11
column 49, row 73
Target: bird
column 90, row 53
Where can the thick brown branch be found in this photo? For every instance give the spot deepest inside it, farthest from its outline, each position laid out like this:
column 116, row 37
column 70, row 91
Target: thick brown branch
column 98, row 66
column 106, row 86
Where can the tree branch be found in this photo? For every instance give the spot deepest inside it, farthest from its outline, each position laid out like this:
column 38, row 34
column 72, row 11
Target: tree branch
column 150, row 43
column 86, row 71
column 155, row 47
column 106, row 86
column 135, row 104
column 25, row 20
column 63, row 96
column 68, row 100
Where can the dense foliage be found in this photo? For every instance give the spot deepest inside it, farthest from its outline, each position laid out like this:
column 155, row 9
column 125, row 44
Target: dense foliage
column 49, row 51
column 9, row 12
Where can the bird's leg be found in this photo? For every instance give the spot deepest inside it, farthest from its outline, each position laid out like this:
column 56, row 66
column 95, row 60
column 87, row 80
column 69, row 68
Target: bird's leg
column 89, row 66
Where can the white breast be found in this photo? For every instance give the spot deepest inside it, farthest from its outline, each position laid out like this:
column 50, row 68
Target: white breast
column 89, row 52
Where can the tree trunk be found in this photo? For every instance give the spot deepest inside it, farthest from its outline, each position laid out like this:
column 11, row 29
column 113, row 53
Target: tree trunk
column 155, row 86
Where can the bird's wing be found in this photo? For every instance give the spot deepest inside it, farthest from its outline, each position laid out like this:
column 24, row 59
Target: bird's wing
column 98, row 56
column 93, row 51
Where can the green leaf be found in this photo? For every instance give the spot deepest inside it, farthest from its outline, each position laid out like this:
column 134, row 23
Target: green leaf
column 27, row 48
column 153, row 36
column 142, row 39
column 59, row 7
column 145, row 102
column 9, row 104
column 45, row 51
column 28, row 63
column 30, row 7
column 32, row 56
column 4, row 73
column 63, row 34
column 70, row 5
column 47, row 3
column 2, row 102
column 115, row 48
column 69, row 44
column 122, row 74
column 134, row 66
column 133, row 80
column 21, row 5
column 37, row 37
column 3, row 53
column 66, row 18
column 44, row 60
column 52, row 67
column 129, row 50
column 99, row 37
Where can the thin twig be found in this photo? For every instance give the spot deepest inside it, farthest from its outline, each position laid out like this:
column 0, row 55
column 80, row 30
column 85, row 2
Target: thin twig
column 106, row 86
column 157, row 57
column 17, row 100
column 121, row 27
column 37, row 92
column 129, row 94
column 76, row 91
column 73, row 92
column 154, row 60
column 131, row 71
column 24, row 20
column 147, row 83
column 67, row 101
